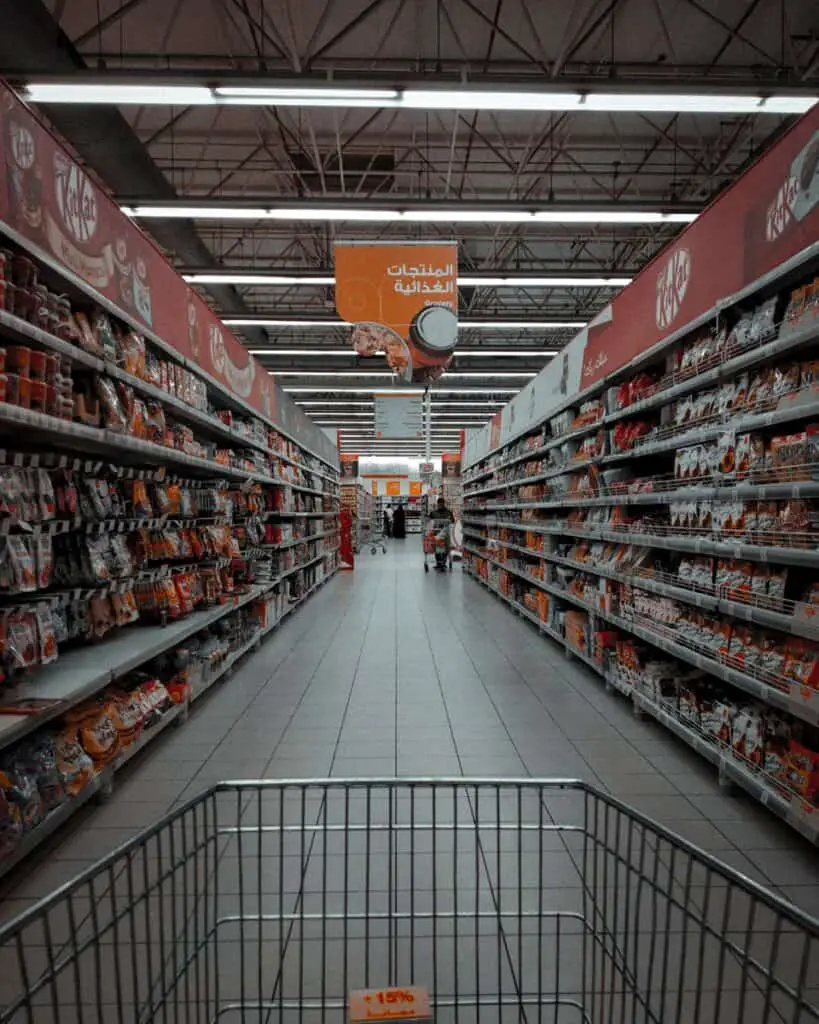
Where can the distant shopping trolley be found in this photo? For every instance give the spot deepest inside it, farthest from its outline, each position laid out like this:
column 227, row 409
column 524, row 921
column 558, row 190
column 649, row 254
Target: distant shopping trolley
column 510, row 901
column 437, row 534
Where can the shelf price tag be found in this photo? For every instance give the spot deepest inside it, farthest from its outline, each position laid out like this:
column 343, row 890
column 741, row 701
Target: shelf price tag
column 388, row 1004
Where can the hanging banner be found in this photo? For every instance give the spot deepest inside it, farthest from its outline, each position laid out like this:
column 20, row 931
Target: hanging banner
column 399, row 416
column 348, row 464
column 402, row 299
column 393, row 488
column 49, row 200
column 416, row 489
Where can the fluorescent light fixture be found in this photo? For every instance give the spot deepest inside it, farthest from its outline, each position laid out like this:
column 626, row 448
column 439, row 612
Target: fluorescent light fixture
column 305, row 280
column 272, row 96
column 491, row 373
column 473, row 99
column 331, row 373
column 258, row 280
column 266, row 321
column 505, row 353
column 695, row 103
column 474, row 325
column 436, row 216
column 445, row 98
column 304, row 390
column 303, row 351
column 544, row 282
column 120, row 94
column 462, row 353
column 520, row 325
column 485, row 403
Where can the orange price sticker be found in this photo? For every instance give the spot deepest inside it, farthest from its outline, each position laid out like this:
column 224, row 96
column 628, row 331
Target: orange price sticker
column 411, row 1003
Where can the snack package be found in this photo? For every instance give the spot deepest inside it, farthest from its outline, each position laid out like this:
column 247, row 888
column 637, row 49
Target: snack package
column 21, row 789
column 36, row 758
column 96, row 732
column 114, row 416
column 73, row 763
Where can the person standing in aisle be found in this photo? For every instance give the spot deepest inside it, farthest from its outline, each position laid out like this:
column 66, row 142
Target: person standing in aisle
column 387, row 523
column 398, row 523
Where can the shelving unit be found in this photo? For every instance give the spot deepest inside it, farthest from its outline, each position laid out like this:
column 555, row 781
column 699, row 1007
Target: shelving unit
column 662, row 527
column 259, row 470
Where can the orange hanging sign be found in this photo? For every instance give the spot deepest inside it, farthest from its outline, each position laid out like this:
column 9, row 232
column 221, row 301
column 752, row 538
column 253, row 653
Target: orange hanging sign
column 393, row 488
column 403, row 300
column 415, row 488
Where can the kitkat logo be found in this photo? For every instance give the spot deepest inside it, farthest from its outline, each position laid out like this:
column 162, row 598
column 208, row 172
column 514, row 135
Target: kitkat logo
column 780, row 212
column 672, row 284
column 76, row 199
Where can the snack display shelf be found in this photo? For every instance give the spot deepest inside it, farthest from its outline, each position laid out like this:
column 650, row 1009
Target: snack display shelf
column 78, row 674
column 78, row 285
column 698, row 544
column 521, row 481
column 796, row 812
column 782, row 345
column 16, row 329
column 300, row 487
column 792, row 810
column 226, row 666
column 664, row 394
column 297, row 568
column 533, row 453
column 116, row 446
column 299, row 540
column 102, row 782
column 799, row 405
column 787, row 490
column 801, row 702
column 800, row 622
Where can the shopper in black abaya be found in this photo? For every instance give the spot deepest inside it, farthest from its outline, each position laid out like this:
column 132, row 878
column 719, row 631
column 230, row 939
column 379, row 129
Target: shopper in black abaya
column 399, row 530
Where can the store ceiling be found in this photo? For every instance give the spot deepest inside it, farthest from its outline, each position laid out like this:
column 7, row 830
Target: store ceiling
column 288, row 154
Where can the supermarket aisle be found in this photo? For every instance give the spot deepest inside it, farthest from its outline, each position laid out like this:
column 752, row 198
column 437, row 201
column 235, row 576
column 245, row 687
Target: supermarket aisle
column 390, row 671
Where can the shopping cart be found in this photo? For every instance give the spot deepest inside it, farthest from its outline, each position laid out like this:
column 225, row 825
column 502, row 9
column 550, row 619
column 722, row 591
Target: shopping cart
column 510, row 901
column 437, row 545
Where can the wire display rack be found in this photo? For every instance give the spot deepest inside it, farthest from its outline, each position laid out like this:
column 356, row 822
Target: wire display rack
column 513, row 900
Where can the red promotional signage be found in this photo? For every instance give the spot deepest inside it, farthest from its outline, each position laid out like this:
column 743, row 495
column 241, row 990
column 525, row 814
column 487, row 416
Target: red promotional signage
column 770, row 214
column 49, row 200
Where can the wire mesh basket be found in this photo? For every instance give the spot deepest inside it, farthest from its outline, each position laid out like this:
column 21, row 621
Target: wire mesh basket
column 509, row 901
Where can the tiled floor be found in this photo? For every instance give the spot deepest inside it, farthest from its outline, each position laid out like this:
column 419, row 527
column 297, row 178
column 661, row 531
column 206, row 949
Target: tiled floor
column 388, row 671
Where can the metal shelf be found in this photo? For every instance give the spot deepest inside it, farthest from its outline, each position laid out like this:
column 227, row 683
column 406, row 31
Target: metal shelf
column 699, row 545
column 798, row 814
column 801, row 702
column 86, row 670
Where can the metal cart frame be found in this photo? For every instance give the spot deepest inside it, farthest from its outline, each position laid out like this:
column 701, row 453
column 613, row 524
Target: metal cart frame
column 511, row 901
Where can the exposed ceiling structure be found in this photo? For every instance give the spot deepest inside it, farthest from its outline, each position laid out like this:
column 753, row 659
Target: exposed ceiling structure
column 646, row 152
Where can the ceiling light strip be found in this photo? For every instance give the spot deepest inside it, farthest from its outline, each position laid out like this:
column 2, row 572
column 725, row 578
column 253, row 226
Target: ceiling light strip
column 477, row 98
column 189, row 210
column 261, row 280
column 522, row 325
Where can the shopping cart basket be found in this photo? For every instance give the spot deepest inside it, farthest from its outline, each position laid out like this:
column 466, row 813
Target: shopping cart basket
column 509, row 901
